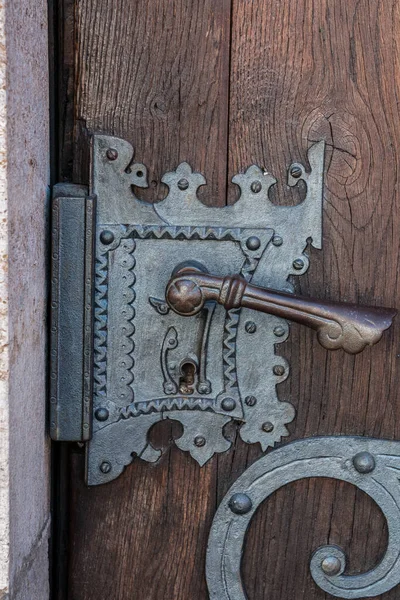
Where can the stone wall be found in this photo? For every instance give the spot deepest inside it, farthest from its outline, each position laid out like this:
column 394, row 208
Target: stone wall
column 24, row 178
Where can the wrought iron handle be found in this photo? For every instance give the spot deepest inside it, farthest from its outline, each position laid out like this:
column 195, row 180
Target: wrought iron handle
column 338, row 325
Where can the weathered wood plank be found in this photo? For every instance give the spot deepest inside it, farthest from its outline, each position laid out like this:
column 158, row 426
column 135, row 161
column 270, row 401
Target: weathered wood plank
column 156, row 73
column 308, row 71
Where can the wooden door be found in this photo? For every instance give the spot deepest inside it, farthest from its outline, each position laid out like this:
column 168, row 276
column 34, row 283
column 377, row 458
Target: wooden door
column 223, row 84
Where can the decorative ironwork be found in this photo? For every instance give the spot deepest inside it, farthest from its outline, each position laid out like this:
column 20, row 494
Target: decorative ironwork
column 148, row 363
column 371, row 465
column 137, row 246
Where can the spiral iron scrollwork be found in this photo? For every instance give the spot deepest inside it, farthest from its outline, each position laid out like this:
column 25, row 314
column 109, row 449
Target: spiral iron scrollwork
column 371, row 465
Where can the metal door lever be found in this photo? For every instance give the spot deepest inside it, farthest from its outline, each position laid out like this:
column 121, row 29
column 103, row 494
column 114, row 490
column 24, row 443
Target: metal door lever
column 338, row 325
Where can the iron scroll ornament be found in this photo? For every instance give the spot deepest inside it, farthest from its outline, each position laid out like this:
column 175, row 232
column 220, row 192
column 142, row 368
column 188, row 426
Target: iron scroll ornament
column 372, row 465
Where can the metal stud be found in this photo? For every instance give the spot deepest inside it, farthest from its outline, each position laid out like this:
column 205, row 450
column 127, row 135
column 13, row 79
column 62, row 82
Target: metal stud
column 228, row 404
column 112, row 154
column 267, row 427
column 253, row 242
column 183, row 184
column 256, row 187
column 106, row 237
column 298, row 264
column 278, row 370
column 250, row 327
column 204, row 388
column 364, row 462
column 105, row 467
column 279, row 331
column 240, row 504
column 331, row 565
column 277, row 240
column 250, row 400
column 199, row 441
column 296, row 172
column 101, row 414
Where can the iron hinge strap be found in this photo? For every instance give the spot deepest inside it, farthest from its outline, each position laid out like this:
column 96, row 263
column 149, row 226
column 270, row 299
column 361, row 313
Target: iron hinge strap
column 73, row 218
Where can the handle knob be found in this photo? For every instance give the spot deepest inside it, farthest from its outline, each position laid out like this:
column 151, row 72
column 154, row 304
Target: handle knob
column 338, row 325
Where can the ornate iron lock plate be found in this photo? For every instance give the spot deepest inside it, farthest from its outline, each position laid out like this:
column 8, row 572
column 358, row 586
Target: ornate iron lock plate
column 125, row 357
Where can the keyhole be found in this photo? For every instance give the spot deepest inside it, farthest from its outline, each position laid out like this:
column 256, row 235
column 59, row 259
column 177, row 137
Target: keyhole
column 187, row 378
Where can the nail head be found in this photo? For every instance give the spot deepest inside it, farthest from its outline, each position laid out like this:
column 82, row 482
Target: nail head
column 256, row 187
column 250, row 327
column 112, row 154
column 183, row 184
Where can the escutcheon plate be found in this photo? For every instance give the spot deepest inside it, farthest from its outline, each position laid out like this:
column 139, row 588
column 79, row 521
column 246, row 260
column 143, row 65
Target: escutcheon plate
column 151, row 364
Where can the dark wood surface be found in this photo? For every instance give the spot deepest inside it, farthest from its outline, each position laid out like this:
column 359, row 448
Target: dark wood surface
column 224, row 85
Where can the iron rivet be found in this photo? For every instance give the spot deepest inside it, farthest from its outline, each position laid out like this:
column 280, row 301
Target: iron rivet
column 331, row 565
column 240, row 504
column 112, row 154
column 169, row 388
column 253, row 242
column 106, row 237
column 250, row 400
column 256, row 187
column 228, row 404
column 250, row 327
column 364, row 462
column 101, row 414
column 204, row 388
column 105, row 467
column 267, row 427
column 277, row 240
column 296, row 172
column 279, row 331
column 183, row 184
column 199, row 441
column 278, row 370
column 298, row 264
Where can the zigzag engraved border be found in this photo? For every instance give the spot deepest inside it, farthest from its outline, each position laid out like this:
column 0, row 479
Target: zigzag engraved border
column 154, row 232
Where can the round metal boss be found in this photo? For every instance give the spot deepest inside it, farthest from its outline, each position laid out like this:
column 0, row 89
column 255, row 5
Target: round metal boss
column 253, row 242
column 101, row 414
column 331, row 565
column 106, row 237
column 364, row 462
column 240, row 504
column 228, row 404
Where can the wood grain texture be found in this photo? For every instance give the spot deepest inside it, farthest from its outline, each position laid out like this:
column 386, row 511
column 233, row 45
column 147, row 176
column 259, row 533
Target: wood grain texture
column 315, row 70
column 155, row 72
